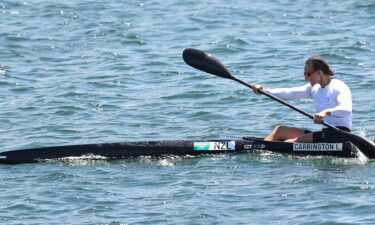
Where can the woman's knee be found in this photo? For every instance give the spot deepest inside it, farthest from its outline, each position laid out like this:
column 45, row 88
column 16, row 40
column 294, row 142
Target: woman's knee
column 279, row 128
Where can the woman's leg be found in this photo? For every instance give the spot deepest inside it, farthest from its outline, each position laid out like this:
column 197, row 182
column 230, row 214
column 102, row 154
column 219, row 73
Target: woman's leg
column 283, row 133
column 306, row 138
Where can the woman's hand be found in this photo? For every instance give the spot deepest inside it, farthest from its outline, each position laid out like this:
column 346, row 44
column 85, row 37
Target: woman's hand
column 318, row 118
column 256, row 88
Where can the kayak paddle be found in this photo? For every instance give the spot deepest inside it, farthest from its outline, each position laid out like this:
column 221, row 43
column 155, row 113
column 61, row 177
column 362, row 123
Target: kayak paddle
column 209, row 64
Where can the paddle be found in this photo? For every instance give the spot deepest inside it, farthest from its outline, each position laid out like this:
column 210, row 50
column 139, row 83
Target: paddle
column 207, row 63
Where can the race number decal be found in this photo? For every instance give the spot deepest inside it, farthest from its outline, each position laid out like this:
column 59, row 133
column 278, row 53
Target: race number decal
column 317, row 147
column 215, row 146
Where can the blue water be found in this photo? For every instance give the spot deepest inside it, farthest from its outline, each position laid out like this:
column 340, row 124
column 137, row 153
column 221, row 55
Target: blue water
column 74, row 72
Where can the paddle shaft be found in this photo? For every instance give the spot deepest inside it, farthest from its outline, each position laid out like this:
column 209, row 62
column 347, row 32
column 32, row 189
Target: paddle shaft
column 283, row 102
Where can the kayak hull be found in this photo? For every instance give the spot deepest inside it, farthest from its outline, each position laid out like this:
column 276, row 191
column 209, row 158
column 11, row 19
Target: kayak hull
column 180, row 147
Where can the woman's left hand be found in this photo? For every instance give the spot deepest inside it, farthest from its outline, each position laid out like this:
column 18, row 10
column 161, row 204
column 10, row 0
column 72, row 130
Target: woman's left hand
column 318, row 118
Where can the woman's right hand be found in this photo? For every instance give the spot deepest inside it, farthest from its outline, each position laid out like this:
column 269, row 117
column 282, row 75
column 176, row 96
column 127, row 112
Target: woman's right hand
column 256, row 88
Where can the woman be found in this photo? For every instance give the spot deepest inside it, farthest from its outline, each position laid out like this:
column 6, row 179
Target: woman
column 332, row 100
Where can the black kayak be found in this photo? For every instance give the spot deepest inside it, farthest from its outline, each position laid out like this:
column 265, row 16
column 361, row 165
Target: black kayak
column 110, row 151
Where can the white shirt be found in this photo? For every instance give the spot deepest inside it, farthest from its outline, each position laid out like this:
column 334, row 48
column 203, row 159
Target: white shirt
column 335, row 96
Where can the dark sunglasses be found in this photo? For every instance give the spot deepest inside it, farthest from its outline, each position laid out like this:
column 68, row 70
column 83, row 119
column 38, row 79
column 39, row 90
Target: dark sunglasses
column 308, row 74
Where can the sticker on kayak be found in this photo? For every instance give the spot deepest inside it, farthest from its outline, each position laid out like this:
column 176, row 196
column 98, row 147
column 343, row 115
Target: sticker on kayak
column 254, row 146
column 215, row 146
column 317, row 147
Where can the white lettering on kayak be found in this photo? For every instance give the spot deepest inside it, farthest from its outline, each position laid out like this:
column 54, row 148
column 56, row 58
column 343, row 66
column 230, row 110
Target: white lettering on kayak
column 316, row 147
column 254, row 146
column 215, row 146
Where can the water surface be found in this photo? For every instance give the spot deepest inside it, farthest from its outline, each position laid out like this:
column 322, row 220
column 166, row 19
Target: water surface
column 76, row 72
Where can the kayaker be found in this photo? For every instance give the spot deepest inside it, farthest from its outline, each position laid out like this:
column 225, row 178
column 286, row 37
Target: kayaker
column 332, row 100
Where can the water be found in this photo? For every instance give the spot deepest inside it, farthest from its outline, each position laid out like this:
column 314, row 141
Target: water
column 78, row 72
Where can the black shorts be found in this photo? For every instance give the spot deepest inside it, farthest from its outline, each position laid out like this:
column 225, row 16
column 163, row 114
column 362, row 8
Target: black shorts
column 328, row 135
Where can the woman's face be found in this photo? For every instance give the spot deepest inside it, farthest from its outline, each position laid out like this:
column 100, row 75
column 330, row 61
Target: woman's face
column 310, row 75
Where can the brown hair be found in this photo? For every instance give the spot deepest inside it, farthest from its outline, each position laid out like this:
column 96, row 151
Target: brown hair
column 320, row 64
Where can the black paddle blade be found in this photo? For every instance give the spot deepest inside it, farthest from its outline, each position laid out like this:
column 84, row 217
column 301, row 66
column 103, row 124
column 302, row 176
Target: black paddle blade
column 206, row 62
column 363, row 145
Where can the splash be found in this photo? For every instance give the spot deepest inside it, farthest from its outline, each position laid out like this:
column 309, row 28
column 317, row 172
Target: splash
column 81, row 160
column 361, row 157
column 2, row 70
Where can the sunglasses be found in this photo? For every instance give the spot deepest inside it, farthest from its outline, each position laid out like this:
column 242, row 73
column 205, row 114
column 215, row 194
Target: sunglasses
column 309, row 74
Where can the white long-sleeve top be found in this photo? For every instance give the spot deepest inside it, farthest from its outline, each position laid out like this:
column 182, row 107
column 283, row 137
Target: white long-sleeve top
column 335, row 96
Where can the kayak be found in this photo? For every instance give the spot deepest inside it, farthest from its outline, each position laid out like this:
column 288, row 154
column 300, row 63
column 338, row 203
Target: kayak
column 121, row 150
